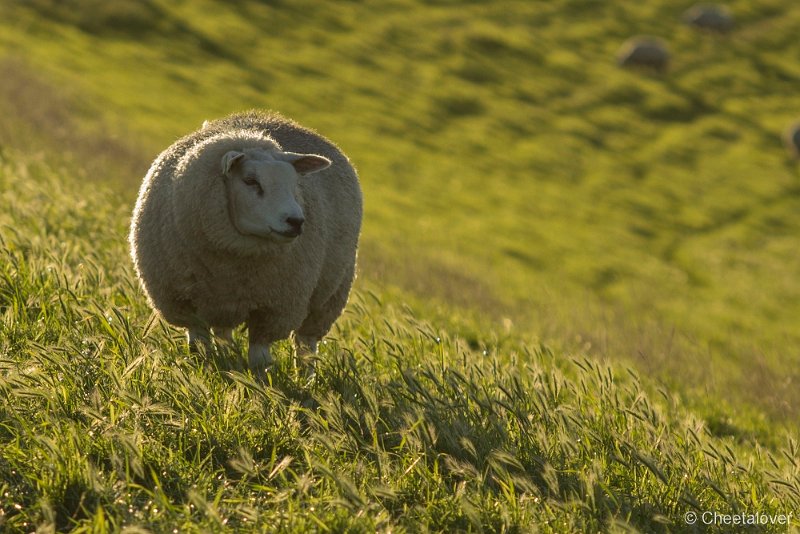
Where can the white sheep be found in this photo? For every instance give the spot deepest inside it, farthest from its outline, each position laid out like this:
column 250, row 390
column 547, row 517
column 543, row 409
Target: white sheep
column 252, row 219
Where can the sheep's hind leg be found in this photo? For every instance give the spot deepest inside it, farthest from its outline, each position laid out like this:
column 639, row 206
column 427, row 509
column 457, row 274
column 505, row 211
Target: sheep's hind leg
column 306, row 354
column 318, row 323
column 306, row 344
column 225, row 334
column 198, row 337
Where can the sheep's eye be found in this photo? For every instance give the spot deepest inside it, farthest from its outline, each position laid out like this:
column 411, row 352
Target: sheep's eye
column 250, row 181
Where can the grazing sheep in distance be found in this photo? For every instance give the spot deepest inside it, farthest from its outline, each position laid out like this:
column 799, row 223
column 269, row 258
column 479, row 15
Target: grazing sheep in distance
column 644, row 52
column 791, row 138
column 709, row 17
column 252, row 219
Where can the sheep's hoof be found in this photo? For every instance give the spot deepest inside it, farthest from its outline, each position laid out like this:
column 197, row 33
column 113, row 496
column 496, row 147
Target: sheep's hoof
column 259, row 359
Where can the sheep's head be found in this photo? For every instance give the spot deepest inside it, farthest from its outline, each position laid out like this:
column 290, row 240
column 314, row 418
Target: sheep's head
column 262, row 191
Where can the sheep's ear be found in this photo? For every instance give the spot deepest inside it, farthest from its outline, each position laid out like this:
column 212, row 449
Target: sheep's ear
column 306, row 163
column 230, row 159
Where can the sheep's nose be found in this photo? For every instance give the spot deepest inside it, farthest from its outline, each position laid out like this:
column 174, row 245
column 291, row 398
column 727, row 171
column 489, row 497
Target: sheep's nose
column 295, row 224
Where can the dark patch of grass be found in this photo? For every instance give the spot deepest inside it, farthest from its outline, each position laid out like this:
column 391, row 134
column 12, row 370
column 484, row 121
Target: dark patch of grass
column 130, row 19
column 458, row 105
column 40, row 117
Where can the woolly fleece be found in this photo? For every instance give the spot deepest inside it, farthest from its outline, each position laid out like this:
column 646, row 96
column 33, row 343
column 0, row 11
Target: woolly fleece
column 198, row 271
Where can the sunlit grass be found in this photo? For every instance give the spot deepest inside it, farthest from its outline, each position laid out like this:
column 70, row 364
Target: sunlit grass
column 108, row 422
column 498, row 143
column 531, row 211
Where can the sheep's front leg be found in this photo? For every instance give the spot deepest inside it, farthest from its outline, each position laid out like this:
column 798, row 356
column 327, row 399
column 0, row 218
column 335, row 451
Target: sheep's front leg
column 265, row 326
column 259, row 358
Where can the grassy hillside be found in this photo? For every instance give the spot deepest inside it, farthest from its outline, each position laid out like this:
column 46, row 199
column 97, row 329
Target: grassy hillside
column 531, row 210
column 107, row 423
column 508, row 164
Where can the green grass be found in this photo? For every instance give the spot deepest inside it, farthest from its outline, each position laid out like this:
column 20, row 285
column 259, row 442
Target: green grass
column 529, row 205
column 647, row 219
column 108, row 423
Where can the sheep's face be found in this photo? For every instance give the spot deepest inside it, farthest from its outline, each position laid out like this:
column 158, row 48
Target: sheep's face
column 263, row 193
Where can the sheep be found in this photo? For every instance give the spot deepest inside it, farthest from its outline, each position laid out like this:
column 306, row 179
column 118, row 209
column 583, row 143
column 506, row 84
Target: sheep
column 252, row 219
column 647, row 52
column 791, row 138
column 713, row 18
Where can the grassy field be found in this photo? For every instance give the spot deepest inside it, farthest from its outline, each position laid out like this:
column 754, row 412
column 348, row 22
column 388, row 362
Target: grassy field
column 108, row 423
column 649, row 219
column 531, row 211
